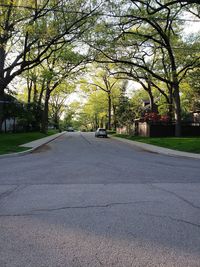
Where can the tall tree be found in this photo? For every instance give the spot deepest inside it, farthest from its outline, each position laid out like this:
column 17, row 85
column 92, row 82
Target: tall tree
column 31, row 32
column 135, row 35
column 62, row 65
column 124, row 114
column 102, row 79
column 57, row 103
column 93, row 113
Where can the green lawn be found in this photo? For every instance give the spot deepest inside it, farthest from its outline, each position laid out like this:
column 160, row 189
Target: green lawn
column 9, row 142
column 188, row 144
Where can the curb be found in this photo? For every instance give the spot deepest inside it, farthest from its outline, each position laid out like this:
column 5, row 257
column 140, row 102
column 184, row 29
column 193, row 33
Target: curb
column 159, row 150
column 28, row 151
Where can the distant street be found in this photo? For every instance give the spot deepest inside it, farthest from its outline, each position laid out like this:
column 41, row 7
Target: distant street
column 85, row 201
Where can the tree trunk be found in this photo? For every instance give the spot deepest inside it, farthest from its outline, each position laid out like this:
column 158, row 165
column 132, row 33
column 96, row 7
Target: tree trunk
column 109, row 111
column 177, row 102
column 35, row 91
column 101, row 123
column 2, row 86
column 148, row 89
column 29, row 87
column 14, row 125
column 1, row 107
column 177, row 106
column 96, row 122
column 176, row 94
column 114, row 117
column 56, row 121
column 170, row 107
column 45, row 113
column 153, row 106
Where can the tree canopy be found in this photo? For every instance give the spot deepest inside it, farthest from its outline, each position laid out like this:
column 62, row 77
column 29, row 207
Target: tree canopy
column 50, row 42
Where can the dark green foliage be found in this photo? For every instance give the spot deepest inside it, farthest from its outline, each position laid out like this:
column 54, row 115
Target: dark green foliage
column 27, row 115
column 124, row 114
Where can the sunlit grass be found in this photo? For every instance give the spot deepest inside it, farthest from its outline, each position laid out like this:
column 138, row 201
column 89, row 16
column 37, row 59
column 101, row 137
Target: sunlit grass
column 10, row 142
column 187, row 144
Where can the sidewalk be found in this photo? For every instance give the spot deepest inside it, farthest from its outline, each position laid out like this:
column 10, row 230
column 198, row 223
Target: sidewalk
column 155, row 149
column 158, row 149
column 33, row 145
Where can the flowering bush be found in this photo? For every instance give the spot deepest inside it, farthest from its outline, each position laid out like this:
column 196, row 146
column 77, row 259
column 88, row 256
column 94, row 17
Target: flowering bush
column 155, row 117
column 165, row 118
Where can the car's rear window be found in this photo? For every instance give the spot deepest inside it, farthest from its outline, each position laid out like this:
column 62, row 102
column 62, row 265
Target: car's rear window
column 102, row 130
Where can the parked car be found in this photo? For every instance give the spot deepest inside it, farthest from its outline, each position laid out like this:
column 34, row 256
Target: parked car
column 70, row 129
column 101, row 132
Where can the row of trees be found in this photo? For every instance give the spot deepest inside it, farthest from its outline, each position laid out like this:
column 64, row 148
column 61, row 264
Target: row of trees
column 128, row 103
column 147, row 45
column 38, row 40
column 50, row 42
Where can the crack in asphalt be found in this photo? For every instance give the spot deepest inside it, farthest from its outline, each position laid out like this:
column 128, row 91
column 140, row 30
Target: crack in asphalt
column 86, row 139
column 177, row 196
column 171, row 218
column 10, row 191
column 7, row 193
column 18, row 215
column 92, row 206
column 39, row 211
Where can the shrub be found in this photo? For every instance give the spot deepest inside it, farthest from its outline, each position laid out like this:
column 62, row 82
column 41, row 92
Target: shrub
column 155, row 117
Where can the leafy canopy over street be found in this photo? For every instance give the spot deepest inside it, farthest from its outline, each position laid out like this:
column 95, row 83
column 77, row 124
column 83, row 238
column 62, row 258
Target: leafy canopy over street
column 116, row 55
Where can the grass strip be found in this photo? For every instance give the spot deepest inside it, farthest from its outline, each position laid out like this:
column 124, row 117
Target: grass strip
column 9, row 142
column 187, row 144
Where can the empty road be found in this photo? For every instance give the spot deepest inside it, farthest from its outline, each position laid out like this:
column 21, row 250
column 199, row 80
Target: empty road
column 85, row 201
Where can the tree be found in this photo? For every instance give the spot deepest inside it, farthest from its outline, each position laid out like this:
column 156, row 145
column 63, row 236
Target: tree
column 102, row 79
column 160, row 5
column 149, row 83
column 191, row 93
column 62, row 65
column 124, row 112
column 93, row 113
column 136, row 35
column 53, row 76
column 57, row 104
column 30, row 33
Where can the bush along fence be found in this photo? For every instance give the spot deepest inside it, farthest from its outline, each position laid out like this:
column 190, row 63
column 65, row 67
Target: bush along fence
column 154, row 125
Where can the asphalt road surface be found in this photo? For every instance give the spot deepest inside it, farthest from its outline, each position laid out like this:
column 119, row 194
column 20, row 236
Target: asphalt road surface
column 85, row 201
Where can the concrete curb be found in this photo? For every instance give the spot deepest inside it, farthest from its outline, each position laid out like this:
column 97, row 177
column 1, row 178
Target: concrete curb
column 34, row 145
column 159, row 150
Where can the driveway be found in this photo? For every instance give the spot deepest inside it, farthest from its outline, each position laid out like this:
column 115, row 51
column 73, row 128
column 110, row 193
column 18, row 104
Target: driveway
column 86, row 201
